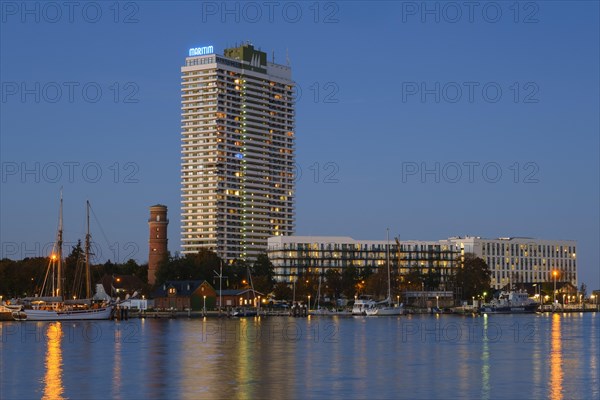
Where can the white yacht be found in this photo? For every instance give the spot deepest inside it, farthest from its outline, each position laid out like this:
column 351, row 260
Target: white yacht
column 362, row 305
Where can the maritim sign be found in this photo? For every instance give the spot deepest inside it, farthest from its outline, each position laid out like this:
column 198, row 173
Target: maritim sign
column 200, row 51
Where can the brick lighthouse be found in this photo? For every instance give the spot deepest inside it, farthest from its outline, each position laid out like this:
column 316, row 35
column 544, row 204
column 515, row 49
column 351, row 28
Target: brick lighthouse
column 157, row 224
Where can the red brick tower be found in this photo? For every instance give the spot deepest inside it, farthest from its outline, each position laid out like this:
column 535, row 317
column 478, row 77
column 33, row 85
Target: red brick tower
column 157, row 223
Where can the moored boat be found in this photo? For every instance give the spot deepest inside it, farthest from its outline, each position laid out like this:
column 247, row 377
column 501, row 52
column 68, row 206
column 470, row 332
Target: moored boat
column 9, row 313
column 54, row 308
column 65, row 314
column 362, row 304
column 510, row 303
column 386, row 307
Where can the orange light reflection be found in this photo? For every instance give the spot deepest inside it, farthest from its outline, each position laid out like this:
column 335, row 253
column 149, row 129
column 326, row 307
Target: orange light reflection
column 53, row 385
column 556, row 372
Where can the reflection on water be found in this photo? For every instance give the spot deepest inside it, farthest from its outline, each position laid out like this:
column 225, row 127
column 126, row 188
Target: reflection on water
column 117, row 371
column 53, row 379
column 419, row 356
column 485, row 360
column 556, row 372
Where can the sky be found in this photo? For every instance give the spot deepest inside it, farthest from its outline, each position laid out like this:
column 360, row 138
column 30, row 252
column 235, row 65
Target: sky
column 432, row 119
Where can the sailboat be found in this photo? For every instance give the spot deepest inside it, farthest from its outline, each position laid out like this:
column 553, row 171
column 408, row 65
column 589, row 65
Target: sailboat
column 317, row 310
column 54, row 308
column 386, row 307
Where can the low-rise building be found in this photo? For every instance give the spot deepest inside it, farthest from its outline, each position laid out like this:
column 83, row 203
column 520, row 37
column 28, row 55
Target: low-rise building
column 295, row 255
column 522, row 260
column 184, row 295
column 240, row 297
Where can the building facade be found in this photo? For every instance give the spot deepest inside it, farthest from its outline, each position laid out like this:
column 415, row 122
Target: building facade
column 294, row 255
column 237, row 151
column 523, row 260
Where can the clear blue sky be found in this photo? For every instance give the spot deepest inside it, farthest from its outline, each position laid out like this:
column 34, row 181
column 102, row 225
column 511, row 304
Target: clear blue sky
column 369, row 105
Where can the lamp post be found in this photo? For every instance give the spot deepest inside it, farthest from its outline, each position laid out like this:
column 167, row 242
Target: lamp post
column 204, row 306
column 309, row 302
column 437, row 302
column 484, row 294
column 398, row 298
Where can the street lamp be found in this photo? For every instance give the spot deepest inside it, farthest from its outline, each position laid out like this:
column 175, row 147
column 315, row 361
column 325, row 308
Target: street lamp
column 484, row 294
column 309, row 302
column 398, row 297
column 204, row 306
column 437, row 302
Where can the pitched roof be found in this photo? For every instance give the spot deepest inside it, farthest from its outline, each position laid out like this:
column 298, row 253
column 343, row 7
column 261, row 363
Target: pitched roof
column 183, row 288
column 237, row 292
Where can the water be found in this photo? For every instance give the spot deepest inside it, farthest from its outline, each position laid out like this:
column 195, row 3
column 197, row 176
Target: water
column 499, row 356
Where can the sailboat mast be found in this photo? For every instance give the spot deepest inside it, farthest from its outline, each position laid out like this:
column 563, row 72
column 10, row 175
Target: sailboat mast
column 88, row 281
column 59, row 243
column 251, row 285
column 387, row 258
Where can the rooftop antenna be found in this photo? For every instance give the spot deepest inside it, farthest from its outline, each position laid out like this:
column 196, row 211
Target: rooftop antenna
column 287, row 57
column 273, row 56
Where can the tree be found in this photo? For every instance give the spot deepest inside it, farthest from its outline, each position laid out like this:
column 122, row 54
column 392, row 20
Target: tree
column 432, row 279
column 23, row 277
column 349, row 280
column 414, row 279
column 473, row 276
column 307, row 285
column 262, row 274
column 74, row 272
column 333, row 283
column 236, row 273
column 583, row 290
column 197, row 266
column 376, row 284
column 282, row 291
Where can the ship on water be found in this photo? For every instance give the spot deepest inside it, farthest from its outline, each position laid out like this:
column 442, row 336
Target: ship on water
column 55, row 307
column 511, row 302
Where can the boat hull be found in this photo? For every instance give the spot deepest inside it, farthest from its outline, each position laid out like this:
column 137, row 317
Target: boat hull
column 526, row 309
column 385, row 311
column 73, row 315
column 245, row 313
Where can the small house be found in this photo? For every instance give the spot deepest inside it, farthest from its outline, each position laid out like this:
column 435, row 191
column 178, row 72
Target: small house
column 183, row 295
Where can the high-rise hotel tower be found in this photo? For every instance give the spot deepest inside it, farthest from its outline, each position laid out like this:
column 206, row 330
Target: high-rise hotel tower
column 237, row 145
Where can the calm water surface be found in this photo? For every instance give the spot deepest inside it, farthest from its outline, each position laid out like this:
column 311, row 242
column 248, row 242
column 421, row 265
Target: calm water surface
column 501, row 356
